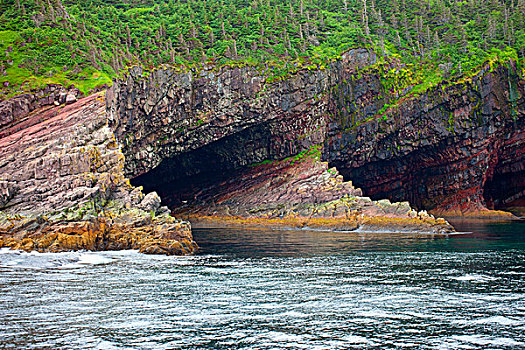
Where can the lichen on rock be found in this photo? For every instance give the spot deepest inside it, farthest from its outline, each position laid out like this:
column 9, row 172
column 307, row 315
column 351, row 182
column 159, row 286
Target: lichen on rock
column 63, row 188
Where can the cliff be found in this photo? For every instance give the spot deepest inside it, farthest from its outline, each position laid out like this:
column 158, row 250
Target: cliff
column 185, row 133
column 456, row 149
column 233, row 145
column 62, row 187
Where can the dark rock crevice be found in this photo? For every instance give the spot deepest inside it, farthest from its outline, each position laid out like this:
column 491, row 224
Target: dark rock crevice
column 181, row 178
column 505, row 184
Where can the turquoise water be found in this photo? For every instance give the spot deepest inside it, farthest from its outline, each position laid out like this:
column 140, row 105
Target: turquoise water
column 261, row 289
column 473, row 236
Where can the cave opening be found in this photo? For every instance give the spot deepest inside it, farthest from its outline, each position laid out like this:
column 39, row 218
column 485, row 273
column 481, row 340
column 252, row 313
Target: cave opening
column 418, row 178
column 505, row 189
column 192, row 177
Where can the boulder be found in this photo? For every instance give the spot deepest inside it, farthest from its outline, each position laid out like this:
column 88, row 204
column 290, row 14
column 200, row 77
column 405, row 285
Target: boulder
column 151, row 202
column 70, row 98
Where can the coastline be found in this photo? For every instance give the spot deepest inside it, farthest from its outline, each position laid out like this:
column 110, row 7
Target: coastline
column 389, row 224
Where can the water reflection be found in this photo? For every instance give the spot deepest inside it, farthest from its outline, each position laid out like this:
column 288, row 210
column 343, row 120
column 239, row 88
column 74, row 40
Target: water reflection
column 471, row 236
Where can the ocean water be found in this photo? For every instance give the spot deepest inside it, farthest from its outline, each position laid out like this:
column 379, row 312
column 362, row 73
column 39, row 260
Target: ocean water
column 263, row 289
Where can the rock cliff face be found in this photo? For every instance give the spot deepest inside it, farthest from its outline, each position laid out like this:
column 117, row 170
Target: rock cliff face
column 456, row 149
column 229, row 144
column 183, row 134
column 192, row 126
column 447, row 150
column 62, row 187
column 168, row 114
column 13, row 109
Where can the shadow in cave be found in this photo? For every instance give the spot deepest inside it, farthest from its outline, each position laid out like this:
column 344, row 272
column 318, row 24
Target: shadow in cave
column 193, row 177
column 505, row 190
column 416, row 178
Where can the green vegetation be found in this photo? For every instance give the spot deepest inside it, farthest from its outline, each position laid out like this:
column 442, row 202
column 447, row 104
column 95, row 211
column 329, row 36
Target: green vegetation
column 88, row 42
column 313, row 152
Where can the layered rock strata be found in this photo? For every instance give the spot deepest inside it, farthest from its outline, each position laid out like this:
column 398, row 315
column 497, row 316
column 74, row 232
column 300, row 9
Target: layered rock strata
column 185, row 132
column 214, row 144
column 454, row 149
column 62, row 187
column 302, row 192
column 11, row 110
column 457, row 149
column 168, row 113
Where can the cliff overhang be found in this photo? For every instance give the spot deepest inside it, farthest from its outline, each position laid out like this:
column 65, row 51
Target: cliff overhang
column 234, row 146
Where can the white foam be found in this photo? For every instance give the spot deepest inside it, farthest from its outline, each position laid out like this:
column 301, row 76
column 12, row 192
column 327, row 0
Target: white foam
column 355, row 339
column 106, row 345
column 93, row 259
column 125, row 252
column 87, row 259
column 383, row 314
column 405, row 345
column 294, row 314
column 9, row 251
column 502, row 320
column 474, row 278
column 484, row 340
column 284, row 337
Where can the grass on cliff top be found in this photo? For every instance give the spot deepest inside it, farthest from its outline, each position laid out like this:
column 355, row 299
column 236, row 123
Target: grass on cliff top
column 88, row 42
column 17, row 78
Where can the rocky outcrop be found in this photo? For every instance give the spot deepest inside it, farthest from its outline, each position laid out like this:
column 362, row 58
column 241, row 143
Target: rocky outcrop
column 451, row 149
column 62, row 187
column 162, row 235
column 167, row 113
column 457, row 149
column 302, row 192
column 181, row 130
column 11, row 110
column 187, row 134
column 235, row 145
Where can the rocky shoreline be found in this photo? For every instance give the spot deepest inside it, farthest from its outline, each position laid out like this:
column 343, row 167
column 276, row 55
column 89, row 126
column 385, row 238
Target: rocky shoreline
column 163, row 235
column 302, row 193
column 224, row 147
column 62, row 188
column 417, row 226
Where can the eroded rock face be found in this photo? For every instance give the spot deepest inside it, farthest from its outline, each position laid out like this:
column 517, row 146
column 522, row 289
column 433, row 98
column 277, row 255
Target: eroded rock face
column 14, row 108
column 171, row 113
column 215, row 145
column 302, row 192
column 168, row 113
column 455, row 149
column 62, row 187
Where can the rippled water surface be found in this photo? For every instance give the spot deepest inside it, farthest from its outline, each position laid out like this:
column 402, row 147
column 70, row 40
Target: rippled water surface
column 260, row 289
